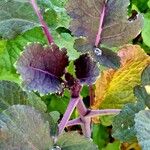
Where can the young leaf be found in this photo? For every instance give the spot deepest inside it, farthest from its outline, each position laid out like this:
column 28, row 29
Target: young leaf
column 74, row 141
column 103, row 22
column 104, row 56
column 41, row 68
column 142, row 126
column 12, row 94
column 115, row 87
column 23, row 127
column 86, row 68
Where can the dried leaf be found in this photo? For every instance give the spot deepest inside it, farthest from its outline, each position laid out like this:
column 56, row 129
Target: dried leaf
column 115, row 87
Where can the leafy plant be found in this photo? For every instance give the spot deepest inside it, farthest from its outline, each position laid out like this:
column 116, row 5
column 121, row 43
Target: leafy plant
column 68, row 52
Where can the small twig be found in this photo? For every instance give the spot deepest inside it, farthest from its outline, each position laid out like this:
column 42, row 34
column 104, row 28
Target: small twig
column 94, row 113
column 44, row 25
column 71, row 106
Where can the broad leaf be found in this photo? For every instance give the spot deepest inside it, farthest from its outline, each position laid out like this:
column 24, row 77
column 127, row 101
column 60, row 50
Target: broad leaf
column 140, row 4
column 105, row 20
column 12, row 94
column 123, row 124
column 23, row 127
column 142, row 126
column 86, row 68
column 100, row 135
column 45, row 74
column 53, row 102
column 74, row 141
column 10, row 51
column 16, row 17
column 102, row 22
column 115, row 87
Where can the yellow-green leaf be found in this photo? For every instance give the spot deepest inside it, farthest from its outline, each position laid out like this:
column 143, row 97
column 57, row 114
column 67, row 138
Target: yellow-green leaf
column 115, row 87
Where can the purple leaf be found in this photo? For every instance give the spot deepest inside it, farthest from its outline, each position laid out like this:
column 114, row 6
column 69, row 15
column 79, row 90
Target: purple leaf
column 103, row 22
column 104, row 56
column 86, row 68
column 41, row 68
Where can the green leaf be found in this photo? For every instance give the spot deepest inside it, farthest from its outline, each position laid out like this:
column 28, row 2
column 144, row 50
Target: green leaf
column 140, row 4
column 10, row 51
column 16, row 17
column 23, row 127
column 100, row 135
column 142, row 127
column 57, row 103
column 146, row 76
column 53, row 118
column 74, row 141
column 148, row 3
column 113, row 146
column 12, row 94
column 67, row 41
column 146, row 29
column 35, row 101
column 123, row 123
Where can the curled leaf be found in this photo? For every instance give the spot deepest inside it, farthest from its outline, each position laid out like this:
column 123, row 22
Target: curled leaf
column 86, row 68
column 115, row 87
column 41, row 68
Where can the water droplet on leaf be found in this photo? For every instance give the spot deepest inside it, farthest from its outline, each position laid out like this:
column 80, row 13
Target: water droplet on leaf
column 56, row 148
column 97, row 51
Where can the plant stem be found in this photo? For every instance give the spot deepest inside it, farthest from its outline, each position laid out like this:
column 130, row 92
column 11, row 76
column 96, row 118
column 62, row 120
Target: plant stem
column 81, row 108
column 101, row 20
column 94, row 113
column 72, row 104
column 86, row 122
column 92, row 95
column 74, row 122
column 86, row 127
column 44, row 25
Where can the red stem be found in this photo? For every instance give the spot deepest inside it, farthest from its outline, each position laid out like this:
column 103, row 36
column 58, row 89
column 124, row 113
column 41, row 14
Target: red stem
column 102, row 15
column 44, row 25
